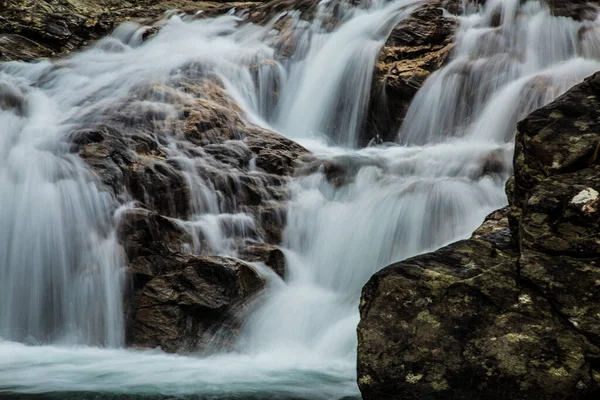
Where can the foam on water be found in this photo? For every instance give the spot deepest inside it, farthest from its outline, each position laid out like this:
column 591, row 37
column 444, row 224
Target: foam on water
column 97, row 372
column 60, row 263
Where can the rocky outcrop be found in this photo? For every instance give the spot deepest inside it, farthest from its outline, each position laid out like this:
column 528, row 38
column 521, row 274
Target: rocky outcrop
column 175, row 151
column 30, row 29
column 182, row 296
column 417, row 46
column 512, row 313
column 179, row 301
column 576, row 9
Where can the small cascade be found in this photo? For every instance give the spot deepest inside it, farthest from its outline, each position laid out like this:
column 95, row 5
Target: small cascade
column 510, row 58
column 60, row 264
column 326, row 93
column 398, row 202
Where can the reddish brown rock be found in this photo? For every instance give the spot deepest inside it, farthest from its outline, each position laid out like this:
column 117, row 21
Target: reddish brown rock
column 417, row 46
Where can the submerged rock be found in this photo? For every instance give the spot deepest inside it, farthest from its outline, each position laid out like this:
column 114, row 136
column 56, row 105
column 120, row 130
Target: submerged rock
column 509, row 313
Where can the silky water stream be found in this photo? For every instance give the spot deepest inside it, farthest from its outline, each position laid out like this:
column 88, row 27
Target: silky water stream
column 61, row 279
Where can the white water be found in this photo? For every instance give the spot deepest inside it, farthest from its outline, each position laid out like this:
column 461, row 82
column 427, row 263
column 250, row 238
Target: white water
column 499, row 74
column 60, row 281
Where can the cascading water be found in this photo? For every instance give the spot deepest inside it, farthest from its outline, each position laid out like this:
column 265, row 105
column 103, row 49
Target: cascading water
column 326, row 93
column 60, row 263
column 60, row 278
column 509, row 60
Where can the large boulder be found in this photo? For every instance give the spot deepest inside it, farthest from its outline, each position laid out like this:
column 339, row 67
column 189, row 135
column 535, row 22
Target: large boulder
column 182, row 296
column 510, row 313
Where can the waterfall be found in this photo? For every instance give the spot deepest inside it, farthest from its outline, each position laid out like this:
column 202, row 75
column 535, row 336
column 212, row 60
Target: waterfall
column 62, row 267
column 509, row 60
column 326, row 93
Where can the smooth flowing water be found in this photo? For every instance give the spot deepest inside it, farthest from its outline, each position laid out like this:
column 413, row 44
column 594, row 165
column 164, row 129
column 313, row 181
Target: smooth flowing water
column 61, row 280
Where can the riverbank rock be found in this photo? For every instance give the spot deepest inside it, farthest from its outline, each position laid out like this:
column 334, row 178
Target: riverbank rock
column 417, row 46
column 511, row 313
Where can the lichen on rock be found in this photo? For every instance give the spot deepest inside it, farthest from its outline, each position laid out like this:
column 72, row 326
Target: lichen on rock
column 508, row 313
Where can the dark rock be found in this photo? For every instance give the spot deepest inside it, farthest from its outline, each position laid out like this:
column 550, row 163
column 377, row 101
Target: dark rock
column 17, row 47
column 275, row 154
column 179, row 301
column 576, row 9
column 459, row 323
column 106, row 151
column 272, row 219
column 11, row 99
column 507, row 313
column 262, row 13
column 180, row 311
column 49, row 28
column 417, row 46
column 266, row 253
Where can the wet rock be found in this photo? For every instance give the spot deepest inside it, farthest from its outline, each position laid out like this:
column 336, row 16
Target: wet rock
column 275, row 154
column 248, row 165
column 182, row 298
column 495, row 222
column 272, row 219
column 266, row 253
column 49, row 28
column 509, row 313
column 417, row 46
column 338, row 171
column 576, row 9
column 158, row 185
column 106, row 151
column 145, row 177
column 11, row 99
column 262, row 13
column 180, row 301
column 17, row 47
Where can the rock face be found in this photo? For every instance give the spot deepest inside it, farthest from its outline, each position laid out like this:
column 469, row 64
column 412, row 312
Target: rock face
column 417, row 47
column 30, row 29
column 223, row 168
column 512, row 313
